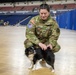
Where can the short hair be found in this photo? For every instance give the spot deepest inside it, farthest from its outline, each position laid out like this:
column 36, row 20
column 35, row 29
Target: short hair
column 44, row 6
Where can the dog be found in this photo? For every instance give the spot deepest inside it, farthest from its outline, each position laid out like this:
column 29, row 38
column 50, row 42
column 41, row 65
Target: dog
column 33, row 55
column 36, row 54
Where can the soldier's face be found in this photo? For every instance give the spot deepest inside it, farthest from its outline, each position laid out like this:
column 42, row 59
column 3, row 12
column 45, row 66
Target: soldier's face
column 44, row 14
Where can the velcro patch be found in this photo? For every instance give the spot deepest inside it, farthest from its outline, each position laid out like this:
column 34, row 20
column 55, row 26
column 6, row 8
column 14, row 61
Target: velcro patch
column 29, row 25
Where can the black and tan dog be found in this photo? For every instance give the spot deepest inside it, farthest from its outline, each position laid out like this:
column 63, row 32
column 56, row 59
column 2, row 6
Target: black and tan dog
column 36, row 54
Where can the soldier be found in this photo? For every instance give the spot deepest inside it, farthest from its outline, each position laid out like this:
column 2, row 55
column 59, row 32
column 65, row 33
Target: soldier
column 43, row 31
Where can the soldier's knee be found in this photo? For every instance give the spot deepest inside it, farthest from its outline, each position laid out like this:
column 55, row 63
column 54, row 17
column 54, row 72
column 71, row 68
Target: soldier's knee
column 56, row 48
column 27, row 43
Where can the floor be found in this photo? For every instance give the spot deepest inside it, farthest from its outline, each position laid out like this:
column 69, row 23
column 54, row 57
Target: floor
column 14, row 62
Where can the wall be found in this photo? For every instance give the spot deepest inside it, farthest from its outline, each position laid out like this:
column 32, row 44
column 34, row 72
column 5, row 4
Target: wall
column 67, row 20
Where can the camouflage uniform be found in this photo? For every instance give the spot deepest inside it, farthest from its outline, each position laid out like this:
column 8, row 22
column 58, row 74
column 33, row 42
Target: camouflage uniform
column 46, row 32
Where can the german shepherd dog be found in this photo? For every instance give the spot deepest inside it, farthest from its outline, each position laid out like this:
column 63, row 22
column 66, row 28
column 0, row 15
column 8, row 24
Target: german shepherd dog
column 35, row 54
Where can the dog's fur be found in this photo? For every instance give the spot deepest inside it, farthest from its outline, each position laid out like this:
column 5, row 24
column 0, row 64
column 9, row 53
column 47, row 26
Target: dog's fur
column 38, row 53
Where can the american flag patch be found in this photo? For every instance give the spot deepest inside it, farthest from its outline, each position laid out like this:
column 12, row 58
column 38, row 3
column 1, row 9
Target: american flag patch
column 29, row 25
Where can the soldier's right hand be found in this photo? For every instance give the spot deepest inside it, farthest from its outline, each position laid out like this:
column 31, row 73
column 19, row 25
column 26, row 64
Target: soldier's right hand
column 43, row 46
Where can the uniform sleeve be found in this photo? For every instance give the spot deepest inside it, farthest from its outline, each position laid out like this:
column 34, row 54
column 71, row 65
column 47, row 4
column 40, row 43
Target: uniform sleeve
column 30, row 33
column 55, row 34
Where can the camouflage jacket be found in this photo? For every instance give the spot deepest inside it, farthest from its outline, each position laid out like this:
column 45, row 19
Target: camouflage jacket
column 42, row 31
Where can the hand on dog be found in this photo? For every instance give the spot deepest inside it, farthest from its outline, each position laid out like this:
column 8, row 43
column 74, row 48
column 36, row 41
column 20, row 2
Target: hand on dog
column 49, row 46
column 43, row 46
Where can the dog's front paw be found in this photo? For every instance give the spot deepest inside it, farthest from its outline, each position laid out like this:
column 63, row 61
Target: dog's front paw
column 34, row 67
column 30, row 67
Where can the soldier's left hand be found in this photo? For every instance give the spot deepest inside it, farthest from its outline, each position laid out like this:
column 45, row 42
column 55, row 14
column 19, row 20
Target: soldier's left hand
column 49, row 46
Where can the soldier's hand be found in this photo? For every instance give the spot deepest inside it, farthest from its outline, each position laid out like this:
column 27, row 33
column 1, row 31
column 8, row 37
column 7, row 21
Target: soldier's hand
column 49, row 46
column 43, row 46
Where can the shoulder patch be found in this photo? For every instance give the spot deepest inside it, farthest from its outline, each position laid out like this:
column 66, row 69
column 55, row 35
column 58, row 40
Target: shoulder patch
column 29, row 25
column 32, row 21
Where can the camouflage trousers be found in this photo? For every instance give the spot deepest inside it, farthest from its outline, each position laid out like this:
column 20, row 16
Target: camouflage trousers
column 27, row 44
